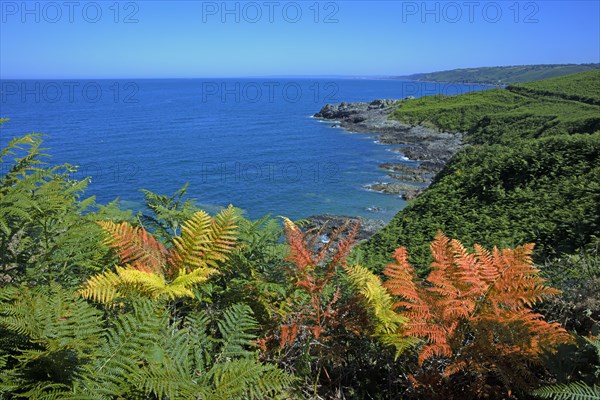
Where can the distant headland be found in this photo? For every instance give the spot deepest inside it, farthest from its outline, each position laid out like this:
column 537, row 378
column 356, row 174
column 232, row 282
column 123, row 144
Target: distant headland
column 501, row 76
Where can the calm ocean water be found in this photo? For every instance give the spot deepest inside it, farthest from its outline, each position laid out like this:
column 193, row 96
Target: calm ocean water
column 249, row 142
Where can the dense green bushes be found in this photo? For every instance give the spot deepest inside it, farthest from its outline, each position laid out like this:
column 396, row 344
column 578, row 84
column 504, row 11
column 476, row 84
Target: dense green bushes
column 544, row 191
column 531, row 174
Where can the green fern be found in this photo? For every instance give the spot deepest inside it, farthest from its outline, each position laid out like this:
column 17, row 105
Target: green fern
column 571, row 391
column 235, row 373
column 143, row 354
column 43, row 234
column 128, row 345
column 574, row 390
column 61, row 348
column 246, row 379
column 168, row 213
column 236, row 327
column 48, row 333
column 204, row 241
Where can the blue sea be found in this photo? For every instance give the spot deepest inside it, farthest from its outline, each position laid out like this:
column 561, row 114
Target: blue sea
column 247, row 142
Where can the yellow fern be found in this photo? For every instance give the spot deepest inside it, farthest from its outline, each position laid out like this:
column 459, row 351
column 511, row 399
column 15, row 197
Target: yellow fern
column 101, row 287
column 148, row 269
column 182, row 285
column 388, row 323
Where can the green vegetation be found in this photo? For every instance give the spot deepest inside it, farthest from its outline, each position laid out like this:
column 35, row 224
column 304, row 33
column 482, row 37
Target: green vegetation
column 68, row 350
column 584, row 87
column 531, row 173
column 172, row 303
column 533, row 110
column 503, row 75
column 574, row 390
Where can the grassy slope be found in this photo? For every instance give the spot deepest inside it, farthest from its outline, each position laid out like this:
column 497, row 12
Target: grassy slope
column 504, row 75
column 532, row 173
column 584, row 87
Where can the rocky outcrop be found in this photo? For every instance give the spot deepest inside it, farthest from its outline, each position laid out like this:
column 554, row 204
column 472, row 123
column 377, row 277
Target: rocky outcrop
column 367, row 227
column 419, row 143
column 392, row 187
column 430, row 147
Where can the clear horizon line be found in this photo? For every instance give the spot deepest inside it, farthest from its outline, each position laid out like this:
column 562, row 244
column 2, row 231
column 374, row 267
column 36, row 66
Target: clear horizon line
column 379, row 76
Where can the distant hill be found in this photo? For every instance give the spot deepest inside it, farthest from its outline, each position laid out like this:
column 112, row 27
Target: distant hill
column 502, row 75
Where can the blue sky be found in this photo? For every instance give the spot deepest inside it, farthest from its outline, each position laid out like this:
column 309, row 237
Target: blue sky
column 156, row 39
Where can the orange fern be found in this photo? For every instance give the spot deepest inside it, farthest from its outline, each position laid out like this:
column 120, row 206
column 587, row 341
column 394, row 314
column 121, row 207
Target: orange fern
column 474, row 309
column 314, row 308
column 135, row 246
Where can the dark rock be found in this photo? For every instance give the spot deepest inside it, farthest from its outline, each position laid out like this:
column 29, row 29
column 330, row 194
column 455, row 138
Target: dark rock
column 420, row 143
column 382, row 103
column 411, row 177
column 367, row 227
column 391, row 187
column 412, row 194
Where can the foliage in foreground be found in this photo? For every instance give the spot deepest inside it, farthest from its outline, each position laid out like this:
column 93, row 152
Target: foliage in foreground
column 575, row 390
column 57, row 346
column 152, row 270
column 473, row 313
column 317, row 319
column 571, row 391
column 44, row 235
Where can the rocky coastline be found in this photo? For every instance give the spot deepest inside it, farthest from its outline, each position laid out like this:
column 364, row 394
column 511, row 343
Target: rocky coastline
column 430, row 147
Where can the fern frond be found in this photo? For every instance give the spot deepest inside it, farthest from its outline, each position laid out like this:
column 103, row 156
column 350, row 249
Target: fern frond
column 201, row 343
column 222, row 236
column 204, row 241
column 474, row 309
column 148, row 284
column 236, row 326
column 571, row 391
column 388, row 323
column 183, row 284
column 135, row 246
column 379, row 300
column 50, row 333
column 247, row 379
column 102, row 287
column 108, row 286
column 400, row 280
column 300, row 254
column 129, row 345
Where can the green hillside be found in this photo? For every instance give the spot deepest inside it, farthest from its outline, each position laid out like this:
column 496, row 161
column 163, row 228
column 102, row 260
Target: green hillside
column 503, row 75
column 531, row 174
column 584, row 87
column 530, row 110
